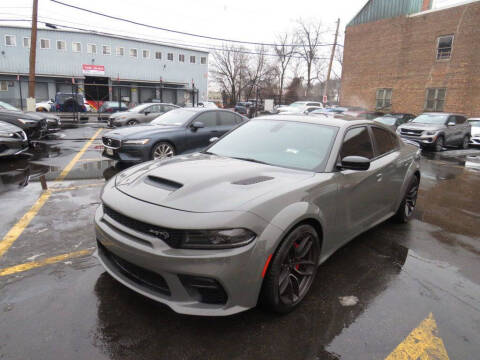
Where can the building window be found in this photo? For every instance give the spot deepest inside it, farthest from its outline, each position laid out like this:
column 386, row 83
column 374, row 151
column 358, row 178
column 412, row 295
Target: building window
column 3, row 85
column 146, row 54
column 133, row 53
column 444, row 47
column 158, row 55
column 170, row 56
column 192, row 59
column 181, row 57
column 435, row 98
column 106, row 50
column 203, row 60
column 76, row 47
column 383, row 99
column 44, row 44
column 91, row 48
column 10, row 40
column 61, row 45
column 26, row 42
column 120, row 51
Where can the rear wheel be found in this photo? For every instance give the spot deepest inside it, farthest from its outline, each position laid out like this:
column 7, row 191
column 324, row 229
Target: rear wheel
column 465, row 142
column 439, row 143
column 162, row 150
column 292, row 270
column 405, row 210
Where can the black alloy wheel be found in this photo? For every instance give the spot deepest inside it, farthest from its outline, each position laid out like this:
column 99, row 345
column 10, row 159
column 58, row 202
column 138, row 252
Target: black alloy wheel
column 132, row 122
column 292, row 270
column 407, row 206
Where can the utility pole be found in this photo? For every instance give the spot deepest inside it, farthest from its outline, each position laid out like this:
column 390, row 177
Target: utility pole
column 33, row 55
column 325, row 88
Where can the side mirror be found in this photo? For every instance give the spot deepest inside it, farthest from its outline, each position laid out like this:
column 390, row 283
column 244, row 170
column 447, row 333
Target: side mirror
column 213, row 139
column 146, row 112
column 359, row 163
column 451, row 123
column 197, row 125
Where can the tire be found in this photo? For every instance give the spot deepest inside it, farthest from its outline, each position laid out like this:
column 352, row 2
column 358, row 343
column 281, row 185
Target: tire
column 132, row 122
column 465, row 142
column 439, row 144
column 407, row 206
column 162, row 150
column 287, row 283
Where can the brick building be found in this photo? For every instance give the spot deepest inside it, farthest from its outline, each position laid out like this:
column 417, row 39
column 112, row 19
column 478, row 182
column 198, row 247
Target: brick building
column 404, row 56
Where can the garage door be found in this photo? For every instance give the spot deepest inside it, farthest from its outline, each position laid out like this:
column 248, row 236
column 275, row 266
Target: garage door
column 41, row 91
column 169, row 96
column 146, row 94
column 64, row 88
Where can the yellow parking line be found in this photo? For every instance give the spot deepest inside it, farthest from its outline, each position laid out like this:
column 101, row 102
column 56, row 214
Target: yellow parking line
column 51, row 260
column 90, row 159
column 20, row 226
column 59, row 189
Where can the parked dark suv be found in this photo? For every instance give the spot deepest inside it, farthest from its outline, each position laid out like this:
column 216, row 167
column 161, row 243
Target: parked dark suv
column 34, row 124
column 69, row 102
column 178, row 131
column 436, row 130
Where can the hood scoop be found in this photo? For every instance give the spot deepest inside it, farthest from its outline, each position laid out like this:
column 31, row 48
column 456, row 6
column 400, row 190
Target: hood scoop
column 162, row 183
column 252, row 180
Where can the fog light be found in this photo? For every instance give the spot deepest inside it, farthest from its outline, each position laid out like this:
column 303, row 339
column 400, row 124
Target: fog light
column 203, row 289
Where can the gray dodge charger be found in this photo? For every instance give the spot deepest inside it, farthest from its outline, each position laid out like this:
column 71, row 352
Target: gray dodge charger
column 250, row 219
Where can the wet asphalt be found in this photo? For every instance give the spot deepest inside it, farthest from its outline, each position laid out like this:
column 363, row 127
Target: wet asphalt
column 400, row 274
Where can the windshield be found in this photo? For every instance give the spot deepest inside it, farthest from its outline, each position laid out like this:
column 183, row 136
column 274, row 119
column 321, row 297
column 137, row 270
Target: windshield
column 6, row 106
column 386, row 120
column 474, row 123
column 296, row 104
column 177, row 117
column 139, row 108
column 280, row 143
column 438, row 119
column 61, row 98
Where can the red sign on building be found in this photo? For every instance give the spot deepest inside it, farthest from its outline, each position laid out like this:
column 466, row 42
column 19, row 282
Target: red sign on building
column 88, row 69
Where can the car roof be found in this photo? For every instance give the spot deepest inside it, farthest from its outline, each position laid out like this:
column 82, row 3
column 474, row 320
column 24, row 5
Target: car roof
column 441, row 113
column 474, row 118
column 341, row 123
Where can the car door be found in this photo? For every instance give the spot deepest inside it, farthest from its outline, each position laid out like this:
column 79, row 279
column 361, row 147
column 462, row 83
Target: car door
column 463, row 128
column 199, row 138
column 363, row 202
column 152, row 112
column 451, row 131
column 227, row 120
column 392, row 168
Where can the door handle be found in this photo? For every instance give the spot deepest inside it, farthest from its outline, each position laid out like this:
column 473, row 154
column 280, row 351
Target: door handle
column 379, row 177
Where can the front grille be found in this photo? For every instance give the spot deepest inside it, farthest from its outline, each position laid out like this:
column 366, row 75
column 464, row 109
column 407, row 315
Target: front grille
column 135, row 273
column 43, row 124
column 114, row 143
column 172, row 237
column 411, row 132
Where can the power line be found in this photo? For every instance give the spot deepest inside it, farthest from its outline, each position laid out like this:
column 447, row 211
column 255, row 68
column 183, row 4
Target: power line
column 165, row 42
column 173, row 31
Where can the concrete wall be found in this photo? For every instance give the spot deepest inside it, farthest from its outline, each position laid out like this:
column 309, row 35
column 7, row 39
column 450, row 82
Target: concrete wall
column 400, row 53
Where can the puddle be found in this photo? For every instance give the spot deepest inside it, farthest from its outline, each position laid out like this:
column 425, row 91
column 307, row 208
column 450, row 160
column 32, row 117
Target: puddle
column 19, row 173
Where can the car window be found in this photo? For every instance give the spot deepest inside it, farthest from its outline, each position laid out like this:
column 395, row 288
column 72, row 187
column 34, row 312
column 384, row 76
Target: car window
column 226, row 118
column 384, row 141
column 238, row 119
column 451, row 119
column 209, row 118
column 357, row 142
column 313, row 104
column 461, row 119
column 155, row 108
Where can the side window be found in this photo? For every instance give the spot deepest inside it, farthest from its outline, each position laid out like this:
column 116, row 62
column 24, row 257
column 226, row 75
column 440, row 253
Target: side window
column 238, row 119
column 226, row 118
column 461, row 119
column 209, row 119
column 155, row 108
column 383, row 140
column 451, row 119
column 357, row 143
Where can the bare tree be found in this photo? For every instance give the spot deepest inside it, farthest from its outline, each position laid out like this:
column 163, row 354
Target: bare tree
column 285, row 54
column 256, row 71
column 230, row 64
column 309, row 36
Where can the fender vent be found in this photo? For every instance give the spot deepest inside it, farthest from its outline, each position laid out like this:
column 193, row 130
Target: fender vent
column 253, row 180
column 163, row 183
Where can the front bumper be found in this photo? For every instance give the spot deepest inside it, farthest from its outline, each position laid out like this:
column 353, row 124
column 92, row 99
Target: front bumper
column 138, row 153
column 237, row 271
column 475, row 140
column 12, row 147
column 425, row 140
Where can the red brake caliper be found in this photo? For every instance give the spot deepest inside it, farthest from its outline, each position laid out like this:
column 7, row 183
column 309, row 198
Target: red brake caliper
column 295, row 245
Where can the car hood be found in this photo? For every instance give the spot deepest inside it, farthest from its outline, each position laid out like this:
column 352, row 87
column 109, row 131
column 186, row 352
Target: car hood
column 205, row 183
column 20, row 115
column 43, row 115
column 135, row 131
column 4, row 126
column 421, row 126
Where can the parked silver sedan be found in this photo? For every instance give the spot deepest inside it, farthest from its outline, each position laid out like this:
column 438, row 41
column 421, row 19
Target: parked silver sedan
column 143, row 113
column 251, row 218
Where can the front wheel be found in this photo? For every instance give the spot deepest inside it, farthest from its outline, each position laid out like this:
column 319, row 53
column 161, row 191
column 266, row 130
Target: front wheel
column 132, row 122
column 465, row 142
column 405, row 210
column 292, row 270
column 439, row 143
column 162, row 150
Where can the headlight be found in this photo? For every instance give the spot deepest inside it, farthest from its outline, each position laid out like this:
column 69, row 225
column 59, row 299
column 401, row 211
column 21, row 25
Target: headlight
column 398, row 130
column 27, row 121
column 136, row 142
column 6, row 134
column 217, row 239
column 430, row 132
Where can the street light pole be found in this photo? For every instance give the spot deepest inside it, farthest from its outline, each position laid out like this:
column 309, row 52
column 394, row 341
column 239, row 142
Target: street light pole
column 33, row 54
column 325, row 88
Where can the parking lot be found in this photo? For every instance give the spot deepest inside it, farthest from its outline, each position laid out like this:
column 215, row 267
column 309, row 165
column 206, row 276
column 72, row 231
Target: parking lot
column 373, row 299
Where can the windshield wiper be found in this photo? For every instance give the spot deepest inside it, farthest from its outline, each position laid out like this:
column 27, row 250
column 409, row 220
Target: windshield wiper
column 250, row 159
